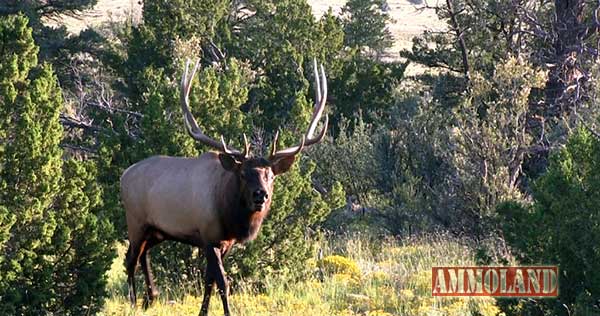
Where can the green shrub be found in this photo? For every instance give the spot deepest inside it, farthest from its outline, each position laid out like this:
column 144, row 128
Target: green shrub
column 54, row 238
column 562, row 226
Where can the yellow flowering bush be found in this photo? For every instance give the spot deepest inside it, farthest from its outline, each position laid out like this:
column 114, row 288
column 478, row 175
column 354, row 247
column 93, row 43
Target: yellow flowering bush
column 456, row 308
column 378, row 312
column 486, row 306
column 407, row 294
column 378, row 277
column 340, row 265
column 346, row 280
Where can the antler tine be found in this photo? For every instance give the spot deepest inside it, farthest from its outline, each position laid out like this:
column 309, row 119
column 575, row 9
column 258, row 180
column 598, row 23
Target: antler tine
column 189, row 120
column 186, row 84
column 235, row 152
column 246, row 146
column 321, row 135
column 274, row 144
column 291, row 151
column 317, row 82
column 225, row 149
column 320, row 101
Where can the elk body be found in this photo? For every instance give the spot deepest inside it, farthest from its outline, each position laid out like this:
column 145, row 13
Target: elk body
column 213, row 201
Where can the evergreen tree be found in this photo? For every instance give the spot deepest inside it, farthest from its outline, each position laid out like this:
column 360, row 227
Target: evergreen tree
column 365, row 26
column 167, row 25
column 554, row 36
column 366, row 87
column 56, row 45
column 280, row 41
column 54, row 245
column 561, row 227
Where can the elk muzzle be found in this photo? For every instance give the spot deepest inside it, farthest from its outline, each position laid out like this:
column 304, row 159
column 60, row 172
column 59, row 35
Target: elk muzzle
column 259, row 198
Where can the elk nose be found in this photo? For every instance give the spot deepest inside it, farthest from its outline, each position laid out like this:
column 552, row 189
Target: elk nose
column 260, row 195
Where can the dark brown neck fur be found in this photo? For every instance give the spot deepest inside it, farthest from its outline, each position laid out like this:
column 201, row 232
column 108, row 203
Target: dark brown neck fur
column 238, row 221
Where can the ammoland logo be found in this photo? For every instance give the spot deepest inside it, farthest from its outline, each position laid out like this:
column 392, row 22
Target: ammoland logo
column 528, row 281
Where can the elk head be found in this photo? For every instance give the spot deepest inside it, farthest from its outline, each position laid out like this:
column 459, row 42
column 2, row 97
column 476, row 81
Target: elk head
column 255, row 175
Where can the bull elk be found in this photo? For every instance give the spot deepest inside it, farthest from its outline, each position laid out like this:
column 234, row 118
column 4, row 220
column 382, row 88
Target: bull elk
column 213, row 201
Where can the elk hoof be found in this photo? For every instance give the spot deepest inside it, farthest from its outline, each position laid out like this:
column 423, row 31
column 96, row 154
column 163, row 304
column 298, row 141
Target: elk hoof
column 148, row 300
column 132, row 299
column 147, row 303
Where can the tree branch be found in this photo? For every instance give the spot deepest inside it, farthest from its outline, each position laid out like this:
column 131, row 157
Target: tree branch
column 459, row 34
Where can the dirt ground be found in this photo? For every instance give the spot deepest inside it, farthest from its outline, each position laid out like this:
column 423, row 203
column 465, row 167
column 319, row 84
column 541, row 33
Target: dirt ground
column 409, row 21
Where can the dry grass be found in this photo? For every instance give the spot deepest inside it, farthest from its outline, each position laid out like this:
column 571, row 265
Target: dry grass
column 356, row 281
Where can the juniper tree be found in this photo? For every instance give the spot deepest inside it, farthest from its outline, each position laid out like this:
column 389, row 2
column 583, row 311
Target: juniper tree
column 365, row 26
column 54, row 244
column 55, row 43
column 561, row 227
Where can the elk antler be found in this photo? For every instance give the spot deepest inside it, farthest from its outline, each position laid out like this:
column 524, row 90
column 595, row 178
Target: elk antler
column 307, row 139
column 191, row 124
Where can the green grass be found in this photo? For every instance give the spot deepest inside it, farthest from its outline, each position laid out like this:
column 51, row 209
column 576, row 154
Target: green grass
column 355, row 277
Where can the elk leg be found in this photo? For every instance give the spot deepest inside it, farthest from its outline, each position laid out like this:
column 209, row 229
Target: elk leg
column 220, row 278
column 215, row 273
column 153, row 238
column 152, row 293
column 131, row 260
column 209, row 278
column 209, row 282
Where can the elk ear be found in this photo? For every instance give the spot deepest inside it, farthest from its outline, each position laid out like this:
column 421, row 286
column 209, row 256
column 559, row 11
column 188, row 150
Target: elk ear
column 282, row 164
column 229, row 163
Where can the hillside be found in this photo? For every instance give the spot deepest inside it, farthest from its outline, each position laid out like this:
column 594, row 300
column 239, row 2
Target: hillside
column 408, row 19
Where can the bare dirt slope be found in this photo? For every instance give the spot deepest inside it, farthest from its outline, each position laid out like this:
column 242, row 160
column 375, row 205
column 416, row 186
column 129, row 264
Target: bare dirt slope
column 409, row 21
column 105, row 10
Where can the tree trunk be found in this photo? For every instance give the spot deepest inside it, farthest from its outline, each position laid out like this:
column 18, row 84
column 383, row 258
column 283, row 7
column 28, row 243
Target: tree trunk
column 570, row 32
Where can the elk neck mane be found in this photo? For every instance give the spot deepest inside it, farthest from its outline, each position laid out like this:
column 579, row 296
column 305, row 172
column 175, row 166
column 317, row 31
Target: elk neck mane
column 239, row 222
